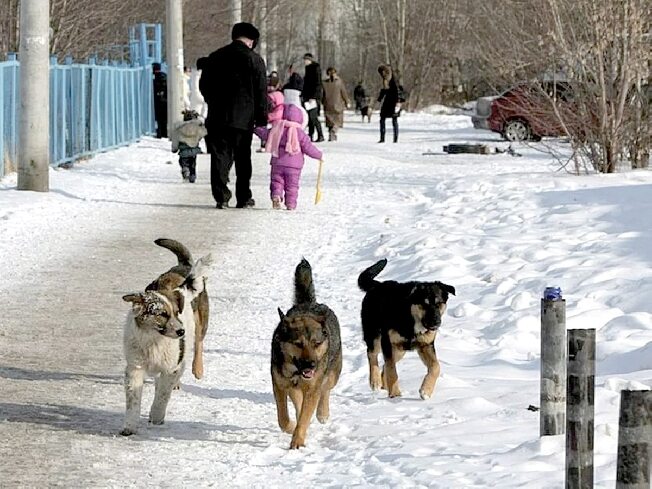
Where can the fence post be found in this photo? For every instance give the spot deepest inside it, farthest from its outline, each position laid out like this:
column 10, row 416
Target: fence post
column 55, row 126
column 634, row 440
column 552, row 419
column 3, row 111
column 580, row 386
column 13, row 130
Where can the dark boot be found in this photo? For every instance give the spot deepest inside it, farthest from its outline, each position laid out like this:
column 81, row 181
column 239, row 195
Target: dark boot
column 192, row 177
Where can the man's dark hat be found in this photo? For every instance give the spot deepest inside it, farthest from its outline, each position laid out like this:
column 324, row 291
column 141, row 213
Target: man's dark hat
column 156, row 66
column 295, row 82
column 307, row 56
column 245, row 29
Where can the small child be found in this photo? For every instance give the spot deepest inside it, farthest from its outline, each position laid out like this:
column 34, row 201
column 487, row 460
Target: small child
column 287, row 142
column 185, row 140
column 274, row 103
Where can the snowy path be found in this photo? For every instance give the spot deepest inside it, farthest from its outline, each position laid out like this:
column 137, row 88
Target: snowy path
column 498, row 228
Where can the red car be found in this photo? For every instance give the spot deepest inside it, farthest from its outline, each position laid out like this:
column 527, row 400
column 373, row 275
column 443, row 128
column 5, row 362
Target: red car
column 524, row 111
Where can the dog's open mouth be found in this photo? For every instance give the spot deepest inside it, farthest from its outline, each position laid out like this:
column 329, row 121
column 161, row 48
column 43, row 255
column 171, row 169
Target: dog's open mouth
column 308, row 373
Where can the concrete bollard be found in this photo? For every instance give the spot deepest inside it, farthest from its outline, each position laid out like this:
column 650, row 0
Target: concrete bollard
column 580, row 387
column 552, row 417
column 634, row 440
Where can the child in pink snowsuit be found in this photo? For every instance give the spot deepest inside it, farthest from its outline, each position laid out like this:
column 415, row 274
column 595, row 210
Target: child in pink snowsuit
column 287, row 142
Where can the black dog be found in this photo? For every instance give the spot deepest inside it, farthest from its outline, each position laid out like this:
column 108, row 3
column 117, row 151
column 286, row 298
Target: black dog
column 398, row 317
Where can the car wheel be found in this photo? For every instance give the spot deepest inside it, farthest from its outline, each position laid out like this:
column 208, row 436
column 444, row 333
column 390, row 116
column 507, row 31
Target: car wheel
column 516, row 130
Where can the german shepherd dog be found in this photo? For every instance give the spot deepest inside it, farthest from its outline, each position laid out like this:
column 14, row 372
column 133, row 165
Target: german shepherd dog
column 398, row 317
column 155, row 333
column 306, row 358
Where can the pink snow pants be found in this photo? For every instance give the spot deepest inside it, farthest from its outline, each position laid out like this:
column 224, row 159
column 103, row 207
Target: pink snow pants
column 285, row 184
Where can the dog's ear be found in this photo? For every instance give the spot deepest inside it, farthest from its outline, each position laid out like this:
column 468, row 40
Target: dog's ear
column 447, row 288
column 134, row 298
column 180, row 300
column 320, row 318
column 280, row 314
column 137, row 302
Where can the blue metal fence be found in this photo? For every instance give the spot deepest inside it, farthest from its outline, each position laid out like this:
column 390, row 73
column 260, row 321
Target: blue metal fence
column 8, row 113
column 93, row 107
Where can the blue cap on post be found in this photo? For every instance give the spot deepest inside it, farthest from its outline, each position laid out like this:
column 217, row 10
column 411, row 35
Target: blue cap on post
column 552, row 293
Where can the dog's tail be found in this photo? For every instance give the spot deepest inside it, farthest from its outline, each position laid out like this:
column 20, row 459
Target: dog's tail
column 304, row 289
column 183, row 254
column 196, row 280
column 366, row 279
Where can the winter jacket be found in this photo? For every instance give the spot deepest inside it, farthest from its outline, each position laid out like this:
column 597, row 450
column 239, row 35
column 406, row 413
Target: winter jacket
column 160, row 88
column 359, row 94
column 312, row 86
column 188, row 133
column 291, row 113
column 234, row 84
column 335, row 96
column 389, row 98
column 275, row 106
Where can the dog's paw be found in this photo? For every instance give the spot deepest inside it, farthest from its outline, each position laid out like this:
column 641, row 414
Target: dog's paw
column 197, row 371
column 128, row 431
column 395, row 393
column 297, row 442
column 156, row 419
column 424, row 395
column 376, row 383
column 323, row 419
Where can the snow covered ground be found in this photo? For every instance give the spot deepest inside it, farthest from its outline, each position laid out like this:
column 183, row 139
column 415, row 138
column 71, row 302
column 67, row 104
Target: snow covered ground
column 496, row 227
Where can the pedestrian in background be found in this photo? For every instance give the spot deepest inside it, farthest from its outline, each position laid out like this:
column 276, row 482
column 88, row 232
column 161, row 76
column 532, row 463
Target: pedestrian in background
column 335, row 101
column 160, row 87
column 359, row 95
column 234, row 84
column 390, row 101
column 274, row 103
column 312, row 95
column 185, row 140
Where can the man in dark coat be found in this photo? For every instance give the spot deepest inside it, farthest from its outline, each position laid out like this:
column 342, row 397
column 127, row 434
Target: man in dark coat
column 234, row 85
column 359, row 95
column 312, row 94
column 160, row 86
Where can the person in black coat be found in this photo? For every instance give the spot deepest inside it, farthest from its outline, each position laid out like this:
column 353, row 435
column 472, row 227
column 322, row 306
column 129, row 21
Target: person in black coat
column 160, row 85
column 359, row 95
column 390, row 99
column 312, row 95
column 234, row 85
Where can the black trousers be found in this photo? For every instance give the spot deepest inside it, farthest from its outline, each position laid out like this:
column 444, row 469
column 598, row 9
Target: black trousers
column 314, row 124
column 229, row 146
column 161, row 118
column 189, row 162
column 394, row 125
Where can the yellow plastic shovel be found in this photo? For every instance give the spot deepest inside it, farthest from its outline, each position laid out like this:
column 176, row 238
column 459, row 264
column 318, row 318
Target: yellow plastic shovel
column 318, row 194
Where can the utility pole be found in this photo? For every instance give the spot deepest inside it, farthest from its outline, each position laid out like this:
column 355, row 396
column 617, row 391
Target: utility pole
column 236, row 11
column 34, row 123
column 174, row 51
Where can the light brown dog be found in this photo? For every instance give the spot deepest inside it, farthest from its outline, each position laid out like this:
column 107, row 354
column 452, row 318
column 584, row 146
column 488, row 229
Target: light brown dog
column 173, row 279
